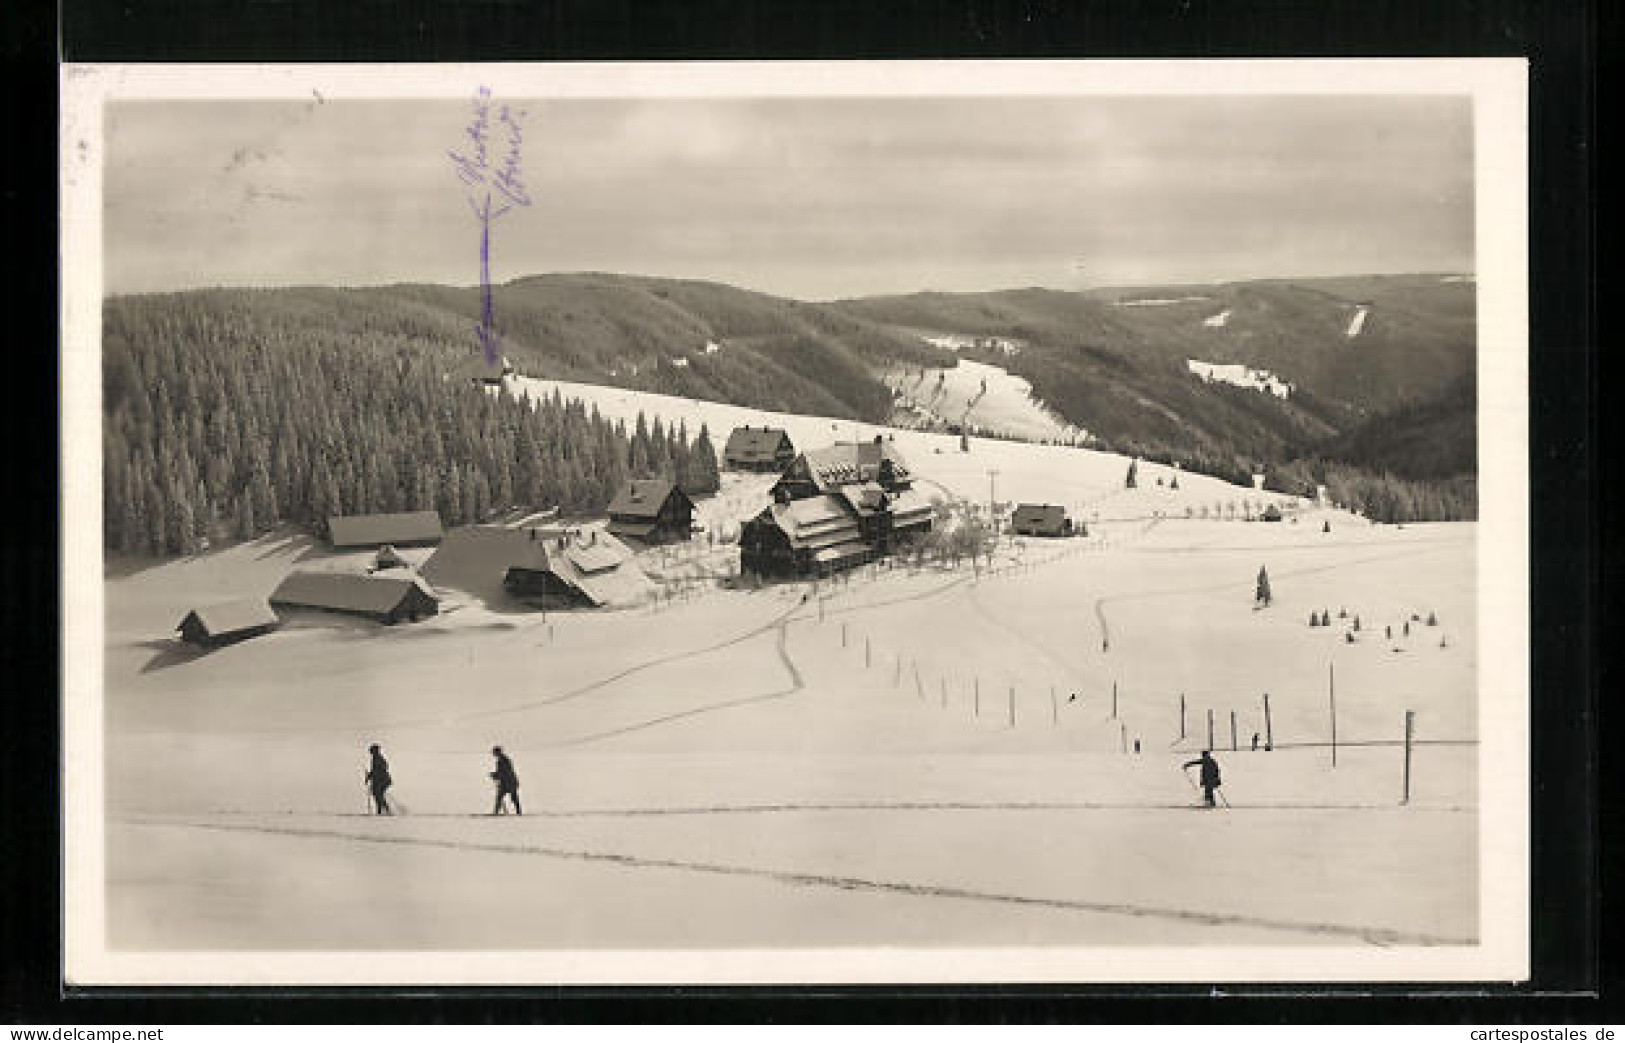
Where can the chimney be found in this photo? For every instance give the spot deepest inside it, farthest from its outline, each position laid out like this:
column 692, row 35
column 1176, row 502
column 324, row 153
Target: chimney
column 868, row 459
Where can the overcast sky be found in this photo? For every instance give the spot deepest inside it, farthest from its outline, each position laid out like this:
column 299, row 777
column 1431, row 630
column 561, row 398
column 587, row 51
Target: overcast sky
column 814, row 198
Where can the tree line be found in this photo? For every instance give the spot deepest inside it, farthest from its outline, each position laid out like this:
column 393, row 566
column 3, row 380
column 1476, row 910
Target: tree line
column 223, row 418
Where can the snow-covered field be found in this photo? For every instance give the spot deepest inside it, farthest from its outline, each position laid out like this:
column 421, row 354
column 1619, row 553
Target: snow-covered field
column 1240, row 376
column 983, row 397
column 905, row 758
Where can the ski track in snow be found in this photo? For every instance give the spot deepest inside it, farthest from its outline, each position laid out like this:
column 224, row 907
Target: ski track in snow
column 1378, row 936
column 796, row 685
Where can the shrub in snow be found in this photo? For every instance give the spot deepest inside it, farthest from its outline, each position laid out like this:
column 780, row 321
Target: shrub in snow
column 1433, row 620
column 1356, row 622
column 1326, row 526
column 1314, row 619
column 1133, row 470
column 1263, row 593
column 1348, row 636
column 1407, row 629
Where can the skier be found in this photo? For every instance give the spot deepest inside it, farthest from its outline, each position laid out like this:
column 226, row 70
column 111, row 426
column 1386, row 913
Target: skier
column 1210, row 774
column 378, row 781
column 507, row 782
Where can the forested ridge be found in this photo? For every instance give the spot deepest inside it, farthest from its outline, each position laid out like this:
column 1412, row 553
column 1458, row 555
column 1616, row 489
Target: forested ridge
column 229, row 412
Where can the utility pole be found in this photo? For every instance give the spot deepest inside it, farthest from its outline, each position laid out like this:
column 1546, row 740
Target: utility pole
column 1269, row 734
column 1210, row 728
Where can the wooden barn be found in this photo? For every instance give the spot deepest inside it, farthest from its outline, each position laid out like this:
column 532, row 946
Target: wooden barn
column 385, row 597
column 834, row 509
column 544, row 567
column 228, row 623
column 758, row 449
column 652, row 510
column 405, row 529
column 1040, row 519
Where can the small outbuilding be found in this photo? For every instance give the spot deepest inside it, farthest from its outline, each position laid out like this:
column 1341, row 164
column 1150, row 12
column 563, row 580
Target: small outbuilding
column 1271, row 513
column 652, row 510
column 758, row 449
column 387, row 597
column 1041, row 519
column 404, row 529
column 215, row 625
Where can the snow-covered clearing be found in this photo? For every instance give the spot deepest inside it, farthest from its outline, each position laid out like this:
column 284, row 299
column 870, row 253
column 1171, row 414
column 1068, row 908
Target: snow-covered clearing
column 1240, row 375
column 1357, row 323
column 832, row 765
column 981, row 397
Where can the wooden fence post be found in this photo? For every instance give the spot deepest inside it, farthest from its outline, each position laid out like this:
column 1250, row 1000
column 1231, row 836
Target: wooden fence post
column 1232, row 731
column 1181, row 715
column 1410, row 719
column 1331, row 696
column 1012, row 706
column 1210, row 728
column 1114, row 700
column 1269, row 733
column 866, row 655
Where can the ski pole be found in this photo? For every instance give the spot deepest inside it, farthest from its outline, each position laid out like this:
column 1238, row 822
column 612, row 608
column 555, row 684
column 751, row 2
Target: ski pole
column 1222, row 797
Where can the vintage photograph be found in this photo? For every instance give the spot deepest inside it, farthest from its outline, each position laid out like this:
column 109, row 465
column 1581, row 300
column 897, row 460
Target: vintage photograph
column 839, row 523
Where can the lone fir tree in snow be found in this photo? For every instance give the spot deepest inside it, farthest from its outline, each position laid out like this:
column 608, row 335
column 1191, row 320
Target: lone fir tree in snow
column 1263, row 595
column 1133, row 473
column 1174, row 484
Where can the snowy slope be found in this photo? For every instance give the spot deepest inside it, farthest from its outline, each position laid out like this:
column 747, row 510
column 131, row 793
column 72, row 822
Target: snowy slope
column 901, row 757
column 980, row 397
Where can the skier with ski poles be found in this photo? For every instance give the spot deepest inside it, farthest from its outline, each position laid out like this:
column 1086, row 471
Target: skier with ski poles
column 1209, row 776
column 378, row 781
column 507, row 781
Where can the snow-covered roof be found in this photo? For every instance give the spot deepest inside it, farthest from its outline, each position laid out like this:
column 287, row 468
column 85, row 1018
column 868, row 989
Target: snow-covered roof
column 233, row 616
column 643, row 497
column 754, row 444
column 349, row 591
column 372, row 530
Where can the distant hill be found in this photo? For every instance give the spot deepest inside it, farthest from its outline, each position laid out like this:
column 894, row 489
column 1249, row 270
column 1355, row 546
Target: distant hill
column 1116, row 361
column 1380, row 366
column 678, row 337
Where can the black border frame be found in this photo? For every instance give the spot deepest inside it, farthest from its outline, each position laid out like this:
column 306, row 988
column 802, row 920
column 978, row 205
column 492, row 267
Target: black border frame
column 1567, row 503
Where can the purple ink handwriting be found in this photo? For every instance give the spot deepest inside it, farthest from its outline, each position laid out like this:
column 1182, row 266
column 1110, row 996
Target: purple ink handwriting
column 490, row 165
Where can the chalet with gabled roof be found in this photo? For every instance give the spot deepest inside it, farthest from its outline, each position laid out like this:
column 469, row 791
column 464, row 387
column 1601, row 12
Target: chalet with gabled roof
column 652, row 510
column 758, row 449
column 833, row 509
column 1040, row 519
